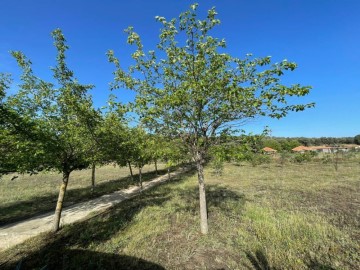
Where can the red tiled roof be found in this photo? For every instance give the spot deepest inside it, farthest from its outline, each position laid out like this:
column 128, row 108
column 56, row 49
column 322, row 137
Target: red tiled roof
column 301, row 148
column 268, row 149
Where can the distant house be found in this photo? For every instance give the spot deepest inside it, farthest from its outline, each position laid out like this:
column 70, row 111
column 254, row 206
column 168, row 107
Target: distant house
column 348, row 147
column 321, row 149
column 269, row 150
column 325, row 149
column 301, row 149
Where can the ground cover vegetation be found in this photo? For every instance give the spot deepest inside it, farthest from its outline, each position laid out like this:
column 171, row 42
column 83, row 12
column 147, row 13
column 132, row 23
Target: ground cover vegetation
column 298, row 216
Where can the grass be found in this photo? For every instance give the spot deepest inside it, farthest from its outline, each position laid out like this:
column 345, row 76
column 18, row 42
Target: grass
column 265, row 217
column 28, row 195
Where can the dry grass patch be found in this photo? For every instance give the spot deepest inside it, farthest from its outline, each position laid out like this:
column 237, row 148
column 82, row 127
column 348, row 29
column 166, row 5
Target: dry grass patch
column 265, row 217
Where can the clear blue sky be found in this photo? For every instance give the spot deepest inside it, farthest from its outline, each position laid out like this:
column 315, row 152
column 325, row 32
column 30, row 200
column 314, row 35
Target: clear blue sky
column 322, row 36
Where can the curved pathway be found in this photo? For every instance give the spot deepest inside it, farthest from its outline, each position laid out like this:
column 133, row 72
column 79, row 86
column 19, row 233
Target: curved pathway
column 15, row 233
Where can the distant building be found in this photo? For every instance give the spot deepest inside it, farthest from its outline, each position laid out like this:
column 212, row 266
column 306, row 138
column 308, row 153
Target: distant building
column 321, row 149
column 326, row 149
column 269, row 150
column 300, row 149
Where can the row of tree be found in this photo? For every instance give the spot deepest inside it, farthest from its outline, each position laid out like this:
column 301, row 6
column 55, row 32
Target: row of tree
column 187, row 90
column 54, row 126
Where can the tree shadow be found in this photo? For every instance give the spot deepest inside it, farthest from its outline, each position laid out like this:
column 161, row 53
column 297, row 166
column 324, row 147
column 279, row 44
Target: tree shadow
column 56, row 250
column 45, row 203
column 316, row 265
column 218, row 198
column 259, row 261
column 85, row 259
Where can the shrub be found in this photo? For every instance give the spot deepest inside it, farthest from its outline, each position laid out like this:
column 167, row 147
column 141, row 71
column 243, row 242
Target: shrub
column 303, row 157
column 257, row 159
column 218, row 166
column 284, row 157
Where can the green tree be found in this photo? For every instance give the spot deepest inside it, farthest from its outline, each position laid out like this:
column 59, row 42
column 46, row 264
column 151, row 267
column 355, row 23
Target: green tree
column 62, row 112
column 357, row 139
column 249, row 148
column 272, row 143
column 155, row 145
column 20, row 140
column 114, row 137
column 196, row 91
column 172, row 152
column 140, row 151
column 289, row 144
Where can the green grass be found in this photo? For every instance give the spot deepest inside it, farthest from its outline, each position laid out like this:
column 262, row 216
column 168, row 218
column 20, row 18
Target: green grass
column 268, row 217
column 28, row 195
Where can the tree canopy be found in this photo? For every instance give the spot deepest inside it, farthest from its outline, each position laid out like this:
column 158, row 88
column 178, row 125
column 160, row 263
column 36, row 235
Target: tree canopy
column 195, row 91
column 50, row 125
column 357, row 139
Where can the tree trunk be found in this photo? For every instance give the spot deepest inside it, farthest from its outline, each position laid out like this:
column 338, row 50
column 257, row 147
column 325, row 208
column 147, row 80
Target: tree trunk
column 131, row 172
column 202, row 195
column 156, row 169
column 59, row 204
column 93, row 178
column 140, row 177
column 168, row 171
column 336, row 160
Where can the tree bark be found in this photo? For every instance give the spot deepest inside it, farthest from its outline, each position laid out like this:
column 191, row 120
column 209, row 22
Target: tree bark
column 168, row 171
column 156, row 169
column 202, row 195
column 59, row 204
column 93, row 178
column 140, row 177
column 131, row 172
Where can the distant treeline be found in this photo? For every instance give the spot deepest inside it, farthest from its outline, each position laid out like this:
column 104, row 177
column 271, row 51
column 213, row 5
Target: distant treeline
column 282, row 143
column 323, row 140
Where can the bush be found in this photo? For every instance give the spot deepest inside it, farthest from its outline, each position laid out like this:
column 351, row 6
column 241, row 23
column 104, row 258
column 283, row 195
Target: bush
column 284, row 157
column 303, row 157
column 326, row 159
column 218, row 166
column 257, row 159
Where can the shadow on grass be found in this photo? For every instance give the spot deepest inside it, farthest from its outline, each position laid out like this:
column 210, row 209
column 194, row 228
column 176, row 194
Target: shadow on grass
column 218, row 198
column 70, row 248
column 259, row 261
column 85, row 259
column 41, row 204
column 73, row 247
column 315, row 265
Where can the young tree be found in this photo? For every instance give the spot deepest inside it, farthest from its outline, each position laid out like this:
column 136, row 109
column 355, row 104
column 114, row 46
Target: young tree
column 196, row 91
column 7, row 132
column 64, row 114
column 172, row 152
column 113, row 138
column 20, row 140
column 140, row 151
column 155, row 145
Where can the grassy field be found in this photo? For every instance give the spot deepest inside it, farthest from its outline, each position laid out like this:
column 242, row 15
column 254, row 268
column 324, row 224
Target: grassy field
column 266, row 217
column 28, row 195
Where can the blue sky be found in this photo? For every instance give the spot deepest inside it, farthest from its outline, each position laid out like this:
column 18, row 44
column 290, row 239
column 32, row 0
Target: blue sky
column 322, row 36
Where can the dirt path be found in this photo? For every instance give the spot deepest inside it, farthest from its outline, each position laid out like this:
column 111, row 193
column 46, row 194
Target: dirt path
column 15, row 233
